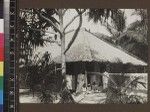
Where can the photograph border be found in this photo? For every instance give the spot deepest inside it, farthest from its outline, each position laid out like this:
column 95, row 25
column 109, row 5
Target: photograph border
column 127, row 4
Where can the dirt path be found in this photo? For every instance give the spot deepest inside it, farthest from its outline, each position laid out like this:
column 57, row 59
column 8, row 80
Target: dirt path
column 93, row 98
column 88, row 97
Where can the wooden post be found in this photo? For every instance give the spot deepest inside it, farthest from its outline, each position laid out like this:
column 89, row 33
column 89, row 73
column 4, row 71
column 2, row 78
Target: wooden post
column 85, row 76
column 86, row 79
column 55, row 69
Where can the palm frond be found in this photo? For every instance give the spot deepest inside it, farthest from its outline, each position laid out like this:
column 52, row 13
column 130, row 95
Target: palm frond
column 101, row 15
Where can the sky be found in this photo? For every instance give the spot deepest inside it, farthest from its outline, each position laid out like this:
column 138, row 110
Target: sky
column 96, row 27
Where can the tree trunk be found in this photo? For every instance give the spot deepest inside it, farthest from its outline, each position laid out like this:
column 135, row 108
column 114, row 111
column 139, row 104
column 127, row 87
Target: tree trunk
column 63, row 62
column 66, row 95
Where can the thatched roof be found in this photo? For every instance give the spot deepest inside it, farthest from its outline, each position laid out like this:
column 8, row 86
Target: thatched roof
column 88, row 47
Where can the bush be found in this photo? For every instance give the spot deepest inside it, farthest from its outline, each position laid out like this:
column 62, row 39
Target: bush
column 117, row 90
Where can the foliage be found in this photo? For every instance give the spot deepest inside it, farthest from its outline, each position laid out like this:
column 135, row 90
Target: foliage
column 140, row 26
column 101, row 14
column 117, row 20
column 66, row 96
column 41, row 71
column 132, row 38
column 33, row 25
column 135, row 38
column 31, row 31
column 118, row 90
column 43, row 78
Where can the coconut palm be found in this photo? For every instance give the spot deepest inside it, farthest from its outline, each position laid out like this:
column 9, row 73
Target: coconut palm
column 33, row 23
column 133, row 39
column 140, row 25
column 114, row 22
column 119, row 90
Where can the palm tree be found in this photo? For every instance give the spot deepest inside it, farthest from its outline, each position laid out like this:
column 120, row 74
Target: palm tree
column 33, row 23
column 140, row 25
column 119, row 88
column 133, row 39
column 114, row 21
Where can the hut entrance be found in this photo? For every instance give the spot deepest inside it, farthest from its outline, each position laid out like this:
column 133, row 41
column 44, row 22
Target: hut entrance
column 85, row 75
column 94, row 79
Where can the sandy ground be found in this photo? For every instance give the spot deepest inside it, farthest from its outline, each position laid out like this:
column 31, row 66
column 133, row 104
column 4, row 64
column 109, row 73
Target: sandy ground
column 29, row 99
column 85, row 97
column 93, row 98
column 88, row 97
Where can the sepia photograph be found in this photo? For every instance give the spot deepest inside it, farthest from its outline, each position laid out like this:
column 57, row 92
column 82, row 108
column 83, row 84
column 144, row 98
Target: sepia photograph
column 83, row 56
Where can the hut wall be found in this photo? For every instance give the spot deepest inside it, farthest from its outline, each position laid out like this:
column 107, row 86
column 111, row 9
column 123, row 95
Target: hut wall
column 78, row 72
column 74, row 82
column 81, row 77
column 75, row 69
column 80, row 83
column 127, row 68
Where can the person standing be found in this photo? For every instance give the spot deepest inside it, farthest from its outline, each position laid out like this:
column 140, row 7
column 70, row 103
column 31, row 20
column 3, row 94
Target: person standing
column 105, row 79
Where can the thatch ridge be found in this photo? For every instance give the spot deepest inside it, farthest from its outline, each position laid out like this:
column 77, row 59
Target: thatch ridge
column 118, row 47
column 86, row 48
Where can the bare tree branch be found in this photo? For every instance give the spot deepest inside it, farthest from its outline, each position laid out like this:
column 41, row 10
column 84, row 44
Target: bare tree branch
column 76, row 31
column 47, row 19
column 79, row 13
column 50, row 32
column 109, row 28
column 64, row 11
column 56, row 11
column 69, row 31
column 71, row 21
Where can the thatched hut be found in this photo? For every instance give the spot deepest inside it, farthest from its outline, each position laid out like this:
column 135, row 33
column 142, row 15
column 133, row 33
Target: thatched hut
column 90, row 54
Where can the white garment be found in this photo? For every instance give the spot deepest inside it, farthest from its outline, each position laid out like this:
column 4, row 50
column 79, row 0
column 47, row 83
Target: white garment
column 69, row 81
column 105, row 80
